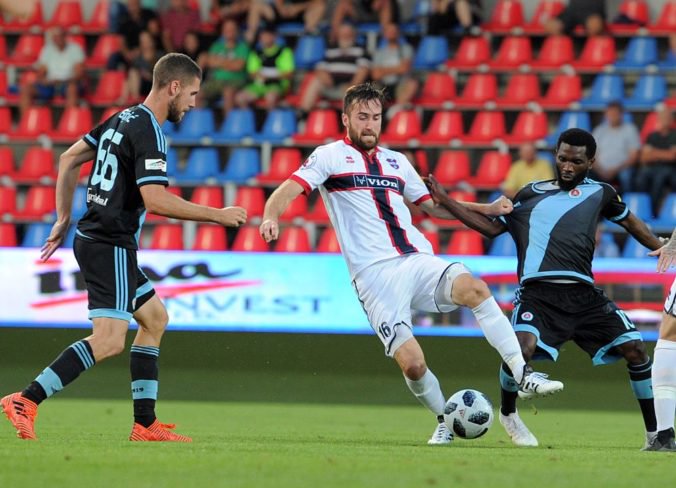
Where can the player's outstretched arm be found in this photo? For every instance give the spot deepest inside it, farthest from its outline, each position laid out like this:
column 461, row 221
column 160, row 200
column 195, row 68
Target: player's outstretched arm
column 640, row 231
column 69, row 172
column 666, row 254
column 159, row 201
column 275, row 206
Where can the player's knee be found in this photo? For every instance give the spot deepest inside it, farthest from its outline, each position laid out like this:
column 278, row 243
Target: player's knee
column 470, row 291
column 415, row 369
column 634, row 352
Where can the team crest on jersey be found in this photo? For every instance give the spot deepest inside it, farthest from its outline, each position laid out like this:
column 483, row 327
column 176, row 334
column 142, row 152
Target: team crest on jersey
column 393, row 163
column 127, row 115
column 527, row 316
column 575, row 193
column 310, row 161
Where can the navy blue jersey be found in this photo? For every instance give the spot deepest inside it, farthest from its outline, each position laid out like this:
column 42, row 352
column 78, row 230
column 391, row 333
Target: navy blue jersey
column 131, row 151
column 555, row 230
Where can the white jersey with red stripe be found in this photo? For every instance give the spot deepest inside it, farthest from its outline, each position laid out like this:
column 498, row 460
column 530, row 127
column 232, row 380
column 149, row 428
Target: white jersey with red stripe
column 364, row 197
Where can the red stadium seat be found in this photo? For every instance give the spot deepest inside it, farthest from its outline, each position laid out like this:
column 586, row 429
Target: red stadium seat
column 284, row 161
column 465, row 242
column 666, row 22
column 106, row 45
column 649, row 125
column 318, row 214
column 109, row 112
column 109, row 88
column 34, row 122
column 444, row 127
column 492, row 170
column 597, row 53
column 210, row 238
column 293, row 239
column 636, row 10
column 37, row 166
column 433, row 237
column 5, row 120
column 7, row 201
column 480, row 88
column 252, row 199
column 421, row 163
column 461, row 196
column 150, row 217
column 472, row 52
column 26, row 50
column 529, row 127
column 67, row 14
column 486, row 127
column 297, row 209
column 555, row 52
column 26, row 77
column 75, row 122
column 8, row 235
column 3, row 52
column 295, row 96
column 507, row 15
column 210, row 196
column 544, row 11
column 521, row 89
column 7, row 166
column 404, row 126
column 563, row 90
column 98, row 22
column 248, row 239
column 328, row 241
column 40, row 202
column 168, row 237
column 452, row 168
column 514, row 52
column 321, row 127
column 437, row 91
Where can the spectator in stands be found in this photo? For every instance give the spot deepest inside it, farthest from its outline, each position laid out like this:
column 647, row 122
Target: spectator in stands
column 383, row 11
column 140, row 77
column 392, row 68
column 310, row 13
column 177, row 21
column 222, row 10
column 22, row 9
column 192, row 47
column 446, row 15
column 60, row 72
column 618, row 144
column 131, row 22
column 344, row 65
column 590, row 14
column 526, row 169
column 270, row 69
column 227, row 62
column 657, row 169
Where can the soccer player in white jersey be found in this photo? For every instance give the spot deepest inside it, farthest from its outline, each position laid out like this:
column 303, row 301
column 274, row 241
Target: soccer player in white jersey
column 664, row 364
column 392, row 265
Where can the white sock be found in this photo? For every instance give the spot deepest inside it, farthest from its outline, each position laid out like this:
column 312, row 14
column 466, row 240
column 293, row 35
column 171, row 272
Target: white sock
column 500, row 334
column 428, row 391
column 664, row 383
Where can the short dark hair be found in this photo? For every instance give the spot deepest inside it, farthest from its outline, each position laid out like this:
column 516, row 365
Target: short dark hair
column 364, row 92
column 616, row 104
column 175, row 66
column 578, row 138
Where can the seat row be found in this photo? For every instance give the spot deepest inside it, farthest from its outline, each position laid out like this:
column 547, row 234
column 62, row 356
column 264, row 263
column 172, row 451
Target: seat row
column 67, row 14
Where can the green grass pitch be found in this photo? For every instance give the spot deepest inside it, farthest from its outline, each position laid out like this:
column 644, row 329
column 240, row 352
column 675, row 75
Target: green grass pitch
column 83, row 443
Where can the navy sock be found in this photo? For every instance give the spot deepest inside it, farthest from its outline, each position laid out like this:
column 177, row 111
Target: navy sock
column 144, row 384
column 508, row 390
column 641, row 385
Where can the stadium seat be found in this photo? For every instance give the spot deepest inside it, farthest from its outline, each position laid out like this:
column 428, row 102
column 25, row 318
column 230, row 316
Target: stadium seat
column 318, row 214
column 640, row 52
column 210, row 196
column 636, row 10
column 244, row 163
column 666, row 217
column 67, row 14
column 75, row 122
column 37, row 166
column 502, row 245
column 465, row 242
column 431, row 52
column 8, row 235
column 529, row 127
column 405, row 127
column 666, row 22
column 203, row 166
column 106, row 45
column 26, row 50
column 433, row 237
column 598, row 52
column 444, row 127
column 249, row 240
column 555, row 52
column 98, row 21
column 649, row 90
column 40, row 202
column 7, row 201
column 5, row 120
column 521, row 89
column 279, row 124
column 507, row 15
column 7, row 166
column 197, row 124
column 110, row 111
column 252, row 199
column 492, row 170
column 563, row 90
column 167, row 237
column 486, row 127
column 36, row 235
column 514, row 51
column 420, row 162
column 210, row 238
column 606, row 88
column 309, row 51
column 79, row 206
column 294, row 97
column 570, row 120
column 437, row 91
column 3, row 54
column 297, row 209
column 293, row 239
column 283, row 162
column 472, row 52
column 109, row 89
column 634, row 249
column 452, row 167
column 85, row 171
column 151, row 217
column 544, row 11
column 328, row 242
column 238, row 124
column 321, row 127
column 480, row 88
column 639, row 204
column 34, row 22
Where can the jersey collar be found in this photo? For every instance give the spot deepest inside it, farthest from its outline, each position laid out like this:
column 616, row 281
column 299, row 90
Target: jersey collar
column 150, row 112
column 348, row 141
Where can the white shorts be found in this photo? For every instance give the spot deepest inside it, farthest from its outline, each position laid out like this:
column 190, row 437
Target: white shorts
column 670, row 302
column 389, row 289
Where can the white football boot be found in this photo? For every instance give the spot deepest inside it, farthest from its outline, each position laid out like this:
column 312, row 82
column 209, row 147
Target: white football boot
column 517, row 430
column 441, row 436
column 536, row 384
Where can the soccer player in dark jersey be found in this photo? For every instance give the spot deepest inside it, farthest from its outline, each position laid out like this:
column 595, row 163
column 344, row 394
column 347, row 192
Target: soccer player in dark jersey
column 553, row 224
column 129, row 177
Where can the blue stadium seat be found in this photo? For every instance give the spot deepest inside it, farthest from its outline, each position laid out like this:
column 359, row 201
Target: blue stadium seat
column 79, row 203
column 502, row 245
column 203, row 164
column 639, row 204
column 196, row 124
column 309, row 51
column 649, row 90
column 669, row 62
column 291, row 29
column 605, row 88
column 70, row 236
column 666, row 218
column 607, row 247
column 238, row 124
column 169, row 128
column 570, row 120
column 244, row 163
column 172, row 162
column 279, row 124
column 36, row 234
column 432, row 51
column 641, row 52
column 634, row 249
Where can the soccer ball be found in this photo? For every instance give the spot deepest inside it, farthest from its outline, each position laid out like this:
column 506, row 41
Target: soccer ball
column 468, row 413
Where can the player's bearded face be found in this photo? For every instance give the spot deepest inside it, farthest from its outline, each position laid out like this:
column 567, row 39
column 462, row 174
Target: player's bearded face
column 364, row 125
column 572, row 166
column 175, row 113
